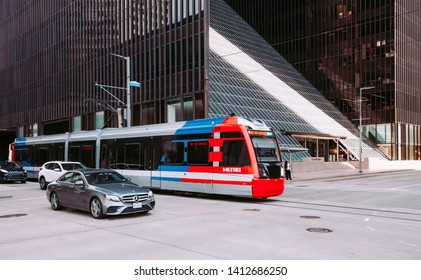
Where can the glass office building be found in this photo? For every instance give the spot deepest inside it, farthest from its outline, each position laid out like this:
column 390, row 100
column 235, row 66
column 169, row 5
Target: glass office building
column 63, row 68
column 348, row 48
column 54, row 54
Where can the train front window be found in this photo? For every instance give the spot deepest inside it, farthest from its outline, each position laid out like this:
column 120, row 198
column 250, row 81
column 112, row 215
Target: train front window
column 266, row 149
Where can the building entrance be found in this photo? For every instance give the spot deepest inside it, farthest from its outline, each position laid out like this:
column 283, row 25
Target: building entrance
column 324, row 147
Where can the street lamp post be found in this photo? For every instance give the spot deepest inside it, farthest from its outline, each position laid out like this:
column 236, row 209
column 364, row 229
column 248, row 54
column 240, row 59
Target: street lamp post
column 361, row 129
column 128, row 101
column 129, row 84
column 127, row 88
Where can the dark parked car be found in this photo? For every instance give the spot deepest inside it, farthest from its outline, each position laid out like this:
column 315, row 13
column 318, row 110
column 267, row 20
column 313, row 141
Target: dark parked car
column 10, row 171
column 102, row 192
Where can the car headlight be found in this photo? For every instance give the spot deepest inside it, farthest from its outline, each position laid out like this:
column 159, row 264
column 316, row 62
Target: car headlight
column 111, row 197
column 150, row 194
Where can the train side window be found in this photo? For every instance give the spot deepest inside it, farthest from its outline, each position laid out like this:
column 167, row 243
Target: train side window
column 132, row 153
column 42, row 156
column 120, row 154
column 74, row 154
column 103, row 156
column 234, row 152
column 174, row 152
column 33, row 157
column 88, row 155
column 51, row 153
column 17, row 155
column 198, row 152
column 25, row 155
column 60, row 153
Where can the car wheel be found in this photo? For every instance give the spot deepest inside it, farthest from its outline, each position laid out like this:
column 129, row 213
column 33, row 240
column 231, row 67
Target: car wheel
column 96, row 208
column 23, row 181
column 42, row 183
column 55, row 202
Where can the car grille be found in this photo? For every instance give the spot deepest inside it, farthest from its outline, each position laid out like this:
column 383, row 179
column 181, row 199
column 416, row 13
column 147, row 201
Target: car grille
column 15, row 174
column 146, row 207
column 114, row 209
column 139, row 197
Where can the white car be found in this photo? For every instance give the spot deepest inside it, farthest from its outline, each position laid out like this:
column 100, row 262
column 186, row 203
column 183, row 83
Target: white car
column 52, row 170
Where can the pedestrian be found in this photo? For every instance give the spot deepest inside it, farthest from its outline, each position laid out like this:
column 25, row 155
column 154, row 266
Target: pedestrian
column 287, row 167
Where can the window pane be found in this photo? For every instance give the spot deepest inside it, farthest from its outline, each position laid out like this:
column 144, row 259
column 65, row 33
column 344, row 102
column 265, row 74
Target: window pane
column 198, row 152
column 174, row 152
column 74, row 154
column 132, row 153
column 235, row 153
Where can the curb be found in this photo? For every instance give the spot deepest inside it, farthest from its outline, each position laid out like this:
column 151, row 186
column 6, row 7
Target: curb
column 364, row 174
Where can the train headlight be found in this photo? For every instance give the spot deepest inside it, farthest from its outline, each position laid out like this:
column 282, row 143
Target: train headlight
column 262, row 171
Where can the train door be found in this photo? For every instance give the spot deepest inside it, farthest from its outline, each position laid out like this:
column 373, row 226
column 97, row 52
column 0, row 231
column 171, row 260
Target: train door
column 173, row 168
column 153, row 155
column 108, row 156
column 200, row 170
column 234, row 174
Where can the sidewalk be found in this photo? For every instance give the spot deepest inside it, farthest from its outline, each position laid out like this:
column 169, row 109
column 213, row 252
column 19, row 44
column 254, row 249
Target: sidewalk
column 336, row 173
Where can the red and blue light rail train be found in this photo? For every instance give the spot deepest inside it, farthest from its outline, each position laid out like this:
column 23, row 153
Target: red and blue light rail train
column 227, row 155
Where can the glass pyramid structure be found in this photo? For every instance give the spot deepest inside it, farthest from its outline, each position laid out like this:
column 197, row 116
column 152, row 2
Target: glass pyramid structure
column 249, row 78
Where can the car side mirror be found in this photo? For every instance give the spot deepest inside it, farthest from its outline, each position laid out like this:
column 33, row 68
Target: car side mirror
column 79, row 183
column 57, row 170
column 128, row 179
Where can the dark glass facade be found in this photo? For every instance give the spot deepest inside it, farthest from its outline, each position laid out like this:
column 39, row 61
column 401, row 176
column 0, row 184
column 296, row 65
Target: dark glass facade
column 53, row 53
column 346, row 47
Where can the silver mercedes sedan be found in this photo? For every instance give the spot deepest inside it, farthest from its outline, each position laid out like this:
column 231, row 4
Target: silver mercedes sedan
column 102, row 192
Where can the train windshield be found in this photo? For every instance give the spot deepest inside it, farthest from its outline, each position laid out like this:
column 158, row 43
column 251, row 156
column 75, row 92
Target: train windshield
column 266, row 149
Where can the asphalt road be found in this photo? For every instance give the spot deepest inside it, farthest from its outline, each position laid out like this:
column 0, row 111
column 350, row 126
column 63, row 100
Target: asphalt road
column 373, row 217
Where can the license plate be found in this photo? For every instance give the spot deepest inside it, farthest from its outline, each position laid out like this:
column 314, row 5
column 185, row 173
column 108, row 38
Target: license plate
column 137, row 205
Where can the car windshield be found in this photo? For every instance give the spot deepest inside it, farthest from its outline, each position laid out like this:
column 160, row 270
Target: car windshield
column 8, row 165
column 72, row 166
column 266, row 149
column 105, row 177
